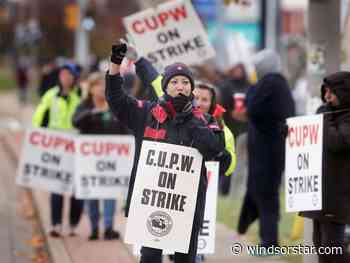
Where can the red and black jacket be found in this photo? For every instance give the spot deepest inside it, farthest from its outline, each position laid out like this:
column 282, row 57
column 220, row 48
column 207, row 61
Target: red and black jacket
column 159, row 121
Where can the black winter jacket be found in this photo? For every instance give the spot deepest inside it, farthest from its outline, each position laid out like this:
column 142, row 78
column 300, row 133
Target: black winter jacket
column 158, row 121
column 147, row 74
column 269, row 104
column 88, row 121
column 336, row 167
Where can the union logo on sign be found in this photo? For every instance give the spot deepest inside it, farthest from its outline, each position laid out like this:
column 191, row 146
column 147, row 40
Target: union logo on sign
column 202, row 244
column 159, row 224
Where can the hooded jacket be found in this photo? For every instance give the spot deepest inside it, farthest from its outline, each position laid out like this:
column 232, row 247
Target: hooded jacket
column 336, row 153
column 269, row 104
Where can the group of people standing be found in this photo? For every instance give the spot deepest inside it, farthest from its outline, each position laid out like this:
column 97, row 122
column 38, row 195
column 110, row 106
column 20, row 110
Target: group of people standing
column 63, row 107
column 186, row 112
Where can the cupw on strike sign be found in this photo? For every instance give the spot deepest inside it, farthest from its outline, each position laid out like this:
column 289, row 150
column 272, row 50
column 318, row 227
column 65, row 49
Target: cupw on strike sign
column 164, row 197
column 303, row 169
column 103, row 165
column 47, row 161
column 170, row 33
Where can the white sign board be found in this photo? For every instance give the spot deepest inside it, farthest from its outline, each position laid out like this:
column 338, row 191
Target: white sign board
column 164, row 197
column 303, row 169
column 103, row 165
column 47, row 161
column 170, row 33
column 206, row 237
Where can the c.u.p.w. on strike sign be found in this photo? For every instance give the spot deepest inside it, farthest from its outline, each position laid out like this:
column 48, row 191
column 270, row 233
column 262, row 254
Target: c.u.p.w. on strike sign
column 164, row 196
column 206, row 237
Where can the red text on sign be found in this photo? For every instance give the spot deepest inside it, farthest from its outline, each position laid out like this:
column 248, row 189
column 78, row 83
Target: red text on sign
column 303, row 135
column 160, row 20
column 104, row 148
column 48, row 141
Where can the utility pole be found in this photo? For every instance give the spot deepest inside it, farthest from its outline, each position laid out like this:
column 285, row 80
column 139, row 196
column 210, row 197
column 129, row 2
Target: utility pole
column 323, row 41
column 81, row 43
column 271, row 11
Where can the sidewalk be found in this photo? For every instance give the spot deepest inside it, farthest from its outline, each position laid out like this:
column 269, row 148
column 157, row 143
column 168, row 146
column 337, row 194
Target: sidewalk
column 78, row 249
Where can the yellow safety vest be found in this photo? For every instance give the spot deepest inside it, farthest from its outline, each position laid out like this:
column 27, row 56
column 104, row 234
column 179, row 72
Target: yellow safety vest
column 61, row 110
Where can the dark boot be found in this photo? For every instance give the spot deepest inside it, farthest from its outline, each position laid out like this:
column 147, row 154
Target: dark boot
column 94, row 235
column 55, row 234
column 111, row 234
column 56, row 231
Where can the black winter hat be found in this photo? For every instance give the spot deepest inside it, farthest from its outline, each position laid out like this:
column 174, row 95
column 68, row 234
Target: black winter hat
column 175, row 70
column 339, row 83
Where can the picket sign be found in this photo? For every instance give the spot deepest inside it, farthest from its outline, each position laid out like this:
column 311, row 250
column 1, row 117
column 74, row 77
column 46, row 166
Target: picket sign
column 164, row 196
column 303, row 163
column 206, row 237
column 170, row 33
column 103, row 165
column 47, row 161
column 91, row 167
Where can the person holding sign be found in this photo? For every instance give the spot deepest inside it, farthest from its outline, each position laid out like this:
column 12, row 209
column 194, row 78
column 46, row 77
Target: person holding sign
column 329, row 223
column 93, row 117
column 55, row 111
column 173, row 120
column 205, row 98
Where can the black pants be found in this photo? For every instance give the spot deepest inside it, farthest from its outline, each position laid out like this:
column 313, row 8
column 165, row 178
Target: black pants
column 265, row 208
column 153, row 255
column 76, row 209
column 329, row 235
column 224, row 184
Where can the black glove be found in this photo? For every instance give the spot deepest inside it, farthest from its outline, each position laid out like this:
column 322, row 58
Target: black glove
column 118, row 53
column 182, row 103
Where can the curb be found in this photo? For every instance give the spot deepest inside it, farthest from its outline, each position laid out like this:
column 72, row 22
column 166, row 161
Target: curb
column 56, row 247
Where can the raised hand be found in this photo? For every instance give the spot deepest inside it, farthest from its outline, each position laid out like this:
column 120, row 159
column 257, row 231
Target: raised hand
column 118, row 53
